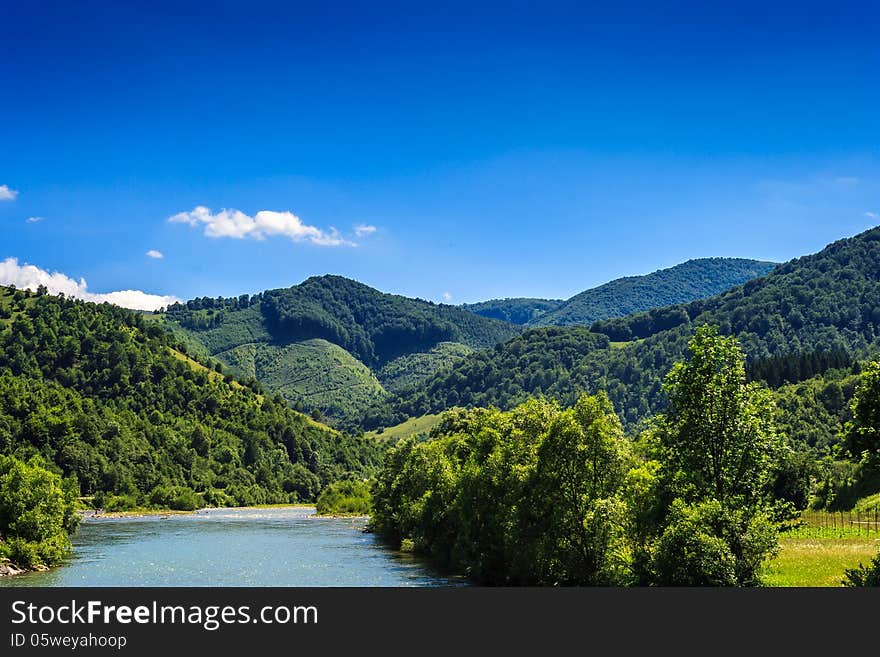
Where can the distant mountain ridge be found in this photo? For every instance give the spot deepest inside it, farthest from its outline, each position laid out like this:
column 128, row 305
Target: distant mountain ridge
column 812, row 306
column 333, row 344
column 691, row 280
column 516, row 310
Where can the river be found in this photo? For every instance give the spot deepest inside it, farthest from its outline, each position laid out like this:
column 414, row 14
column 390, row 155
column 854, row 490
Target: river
column 232, row 547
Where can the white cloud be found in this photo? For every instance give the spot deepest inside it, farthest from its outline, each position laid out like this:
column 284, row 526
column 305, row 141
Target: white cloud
column 362, row 230
column 29, row 277
column 847, row 180
column 153, row 253
column 34, row 220
column 266, row 223
column 7, row 194
column 872, row 215
column 447, row 296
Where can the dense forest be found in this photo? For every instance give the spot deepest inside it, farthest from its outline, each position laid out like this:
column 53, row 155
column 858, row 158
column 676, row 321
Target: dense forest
column 818, row 310
column 519, row 311
column 107, row 396
column 665, row 447
column 548, row 495
column 370, row 342
column 691, row 280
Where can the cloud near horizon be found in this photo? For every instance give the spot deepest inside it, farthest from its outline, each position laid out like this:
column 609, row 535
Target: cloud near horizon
column 153, row 253
column 7, row 194
column 30, row 277
column 265, row 223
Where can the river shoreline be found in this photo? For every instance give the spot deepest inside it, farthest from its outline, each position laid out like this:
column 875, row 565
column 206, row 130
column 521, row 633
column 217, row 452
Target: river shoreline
column 9, row 569
column 277, row 546
column 147, row 512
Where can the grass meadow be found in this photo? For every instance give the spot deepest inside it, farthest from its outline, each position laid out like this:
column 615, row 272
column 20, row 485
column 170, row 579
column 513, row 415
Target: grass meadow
column 818, row 552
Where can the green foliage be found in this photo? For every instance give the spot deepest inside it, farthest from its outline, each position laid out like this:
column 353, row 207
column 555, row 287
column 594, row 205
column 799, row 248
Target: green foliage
column 540, row 361
column 718, row 435
column 345, row 497
column 516, row 311
column 317, row 375
column 274, row 337
column 104, row 394
column 691, row 280
column 375, row 327
column 821, row 304
column 546, row 495
column 718, row 446
column 531, row 496
column 862, row 432
column 408, row 371
column 864, row 575
column 36, row 513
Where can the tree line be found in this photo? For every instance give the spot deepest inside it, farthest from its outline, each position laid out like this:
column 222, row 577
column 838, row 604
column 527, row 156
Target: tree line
column 547, row 495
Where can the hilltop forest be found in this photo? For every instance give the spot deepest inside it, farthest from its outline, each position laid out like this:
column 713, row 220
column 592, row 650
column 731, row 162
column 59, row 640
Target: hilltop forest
column 266, row 398
column 106, row 396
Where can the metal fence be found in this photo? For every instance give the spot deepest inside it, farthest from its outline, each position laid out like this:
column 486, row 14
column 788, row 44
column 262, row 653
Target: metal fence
column 857, row 523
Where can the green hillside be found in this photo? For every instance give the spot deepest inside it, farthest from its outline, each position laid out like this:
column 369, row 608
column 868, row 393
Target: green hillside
column 318, row 374
column 326, row 344
column 822, row 303
column 520, row 311
column 415, row 426
column 689, row 281
column 107, row 395
column 407, row 371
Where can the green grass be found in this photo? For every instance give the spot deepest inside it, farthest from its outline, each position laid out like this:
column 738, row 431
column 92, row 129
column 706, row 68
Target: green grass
column 623, row 345
column 813, row 561
column 198, row 367
column 410, row 427
column 819, row 550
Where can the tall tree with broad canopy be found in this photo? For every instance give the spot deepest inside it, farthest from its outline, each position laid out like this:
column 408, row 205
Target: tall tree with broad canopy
column 718, row 445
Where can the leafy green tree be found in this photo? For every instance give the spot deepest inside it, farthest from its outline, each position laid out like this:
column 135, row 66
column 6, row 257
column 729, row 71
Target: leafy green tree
column 36, row 513
column 718, row 446
column 582, row 462
column 862, row 433
column 718, row 435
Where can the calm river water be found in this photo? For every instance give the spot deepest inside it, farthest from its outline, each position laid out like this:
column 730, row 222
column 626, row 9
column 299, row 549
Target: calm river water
column 232, row 547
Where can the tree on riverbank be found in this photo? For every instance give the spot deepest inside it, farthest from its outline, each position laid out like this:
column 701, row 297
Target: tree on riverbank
column 36, row 513
column 552, row 496
column 717, row 445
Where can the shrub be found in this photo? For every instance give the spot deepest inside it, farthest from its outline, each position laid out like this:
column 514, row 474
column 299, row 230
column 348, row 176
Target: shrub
column 864, row 575
column 345, row 497
column 36, row 513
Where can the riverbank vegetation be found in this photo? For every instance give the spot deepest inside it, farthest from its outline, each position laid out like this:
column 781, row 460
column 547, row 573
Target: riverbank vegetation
column 544, row 494
column 37, row 513
column 348, row 497
column 103, row 394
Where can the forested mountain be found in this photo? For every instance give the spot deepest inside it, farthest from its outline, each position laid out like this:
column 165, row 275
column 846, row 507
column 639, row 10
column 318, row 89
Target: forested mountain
column 827, row 302
column 689, row 281
column 331, row 344
column 107, row 395
column 516, row 310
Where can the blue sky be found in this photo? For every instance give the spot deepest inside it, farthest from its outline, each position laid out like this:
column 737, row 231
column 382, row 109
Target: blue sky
column 429, row 149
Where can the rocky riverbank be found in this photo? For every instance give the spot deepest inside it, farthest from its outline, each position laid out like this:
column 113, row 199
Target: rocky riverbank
column 8, row 569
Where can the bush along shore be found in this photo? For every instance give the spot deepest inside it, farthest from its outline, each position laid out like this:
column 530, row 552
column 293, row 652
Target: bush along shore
column 37, row 515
